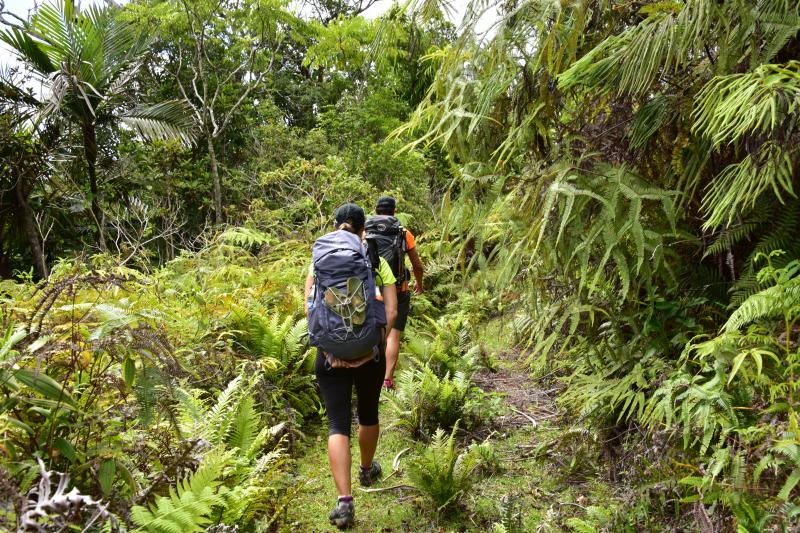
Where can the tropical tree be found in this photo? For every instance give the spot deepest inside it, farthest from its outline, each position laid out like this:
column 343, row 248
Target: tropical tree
column 23, row 165
column 86, row 60
column 220, row 56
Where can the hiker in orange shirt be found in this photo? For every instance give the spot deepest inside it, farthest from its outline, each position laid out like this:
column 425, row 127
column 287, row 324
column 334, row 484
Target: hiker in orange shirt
column 386, row 237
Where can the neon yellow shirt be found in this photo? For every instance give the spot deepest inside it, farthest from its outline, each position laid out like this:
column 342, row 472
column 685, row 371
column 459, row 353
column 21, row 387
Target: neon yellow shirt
column 383, row 277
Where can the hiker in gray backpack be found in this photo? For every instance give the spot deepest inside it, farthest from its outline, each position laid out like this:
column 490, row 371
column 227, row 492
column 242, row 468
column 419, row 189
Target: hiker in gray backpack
column 351, row 303
column 389, row 239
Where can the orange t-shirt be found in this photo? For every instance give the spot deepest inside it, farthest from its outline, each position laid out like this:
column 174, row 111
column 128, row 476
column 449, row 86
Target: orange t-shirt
column 411, row 243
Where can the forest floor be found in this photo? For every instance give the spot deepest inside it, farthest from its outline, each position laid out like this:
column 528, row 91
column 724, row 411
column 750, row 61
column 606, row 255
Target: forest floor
column 523, row 435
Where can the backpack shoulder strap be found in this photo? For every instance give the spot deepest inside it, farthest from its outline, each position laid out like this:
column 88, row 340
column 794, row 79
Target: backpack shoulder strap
column 373, row 255
column 374, row 260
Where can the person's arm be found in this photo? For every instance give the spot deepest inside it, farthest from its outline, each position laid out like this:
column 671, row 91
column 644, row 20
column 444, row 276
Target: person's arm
column 416, row 267
column 309, row 286
column 390, row 303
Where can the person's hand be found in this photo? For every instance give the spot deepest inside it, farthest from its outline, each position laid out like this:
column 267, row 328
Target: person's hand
column 418, row 289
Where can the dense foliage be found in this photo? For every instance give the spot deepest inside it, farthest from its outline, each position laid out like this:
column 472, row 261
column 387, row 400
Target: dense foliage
column 635, row 166
column 604, row 194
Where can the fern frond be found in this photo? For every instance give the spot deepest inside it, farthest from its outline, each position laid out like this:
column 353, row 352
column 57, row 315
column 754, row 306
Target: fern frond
column 739, row 186
column 649, row 118
column 631, row 62
column 223, row 412
column 760, row 102
column 244, row 429
column 192, row 410
column 769, row 303
column 189, row 504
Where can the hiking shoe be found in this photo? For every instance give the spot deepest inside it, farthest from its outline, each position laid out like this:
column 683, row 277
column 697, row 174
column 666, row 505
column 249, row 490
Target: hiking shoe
column 344, row 514
column 388, row 384
column 368, row 476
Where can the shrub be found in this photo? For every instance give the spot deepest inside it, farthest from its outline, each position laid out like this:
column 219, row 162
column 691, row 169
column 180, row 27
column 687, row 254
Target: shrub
column 424, row 402
column 441, row 473
column 445, row 346
column 279, row 345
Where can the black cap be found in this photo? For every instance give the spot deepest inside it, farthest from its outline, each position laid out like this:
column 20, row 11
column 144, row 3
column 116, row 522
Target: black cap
column 386, row 202
column 351, row 212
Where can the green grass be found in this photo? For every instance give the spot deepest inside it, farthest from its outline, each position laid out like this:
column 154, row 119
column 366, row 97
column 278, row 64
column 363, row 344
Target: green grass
column 531, row 481
column 546, row 497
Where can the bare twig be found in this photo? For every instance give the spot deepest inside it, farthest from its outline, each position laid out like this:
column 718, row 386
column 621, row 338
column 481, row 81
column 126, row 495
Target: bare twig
column 533, row 421
column 386, row 489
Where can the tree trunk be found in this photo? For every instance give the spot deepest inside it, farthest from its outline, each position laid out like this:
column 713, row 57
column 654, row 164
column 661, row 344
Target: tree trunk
column 212, row 156
column 5, row 264
column 90, row 153
column 29, row 228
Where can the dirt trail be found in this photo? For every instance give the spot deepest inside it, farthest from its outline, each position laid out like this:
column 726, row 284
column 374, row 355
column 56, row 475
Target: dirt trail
column 529, row 417
column 528, row 402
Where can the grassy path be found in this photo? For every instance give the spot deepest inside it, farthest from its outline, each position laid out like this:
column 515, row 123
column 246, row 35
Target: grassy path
column 526, row 476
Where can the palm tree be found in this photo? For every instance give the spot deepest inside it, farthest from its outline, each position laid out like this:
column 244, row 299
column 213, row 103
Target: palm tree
column 86, row 60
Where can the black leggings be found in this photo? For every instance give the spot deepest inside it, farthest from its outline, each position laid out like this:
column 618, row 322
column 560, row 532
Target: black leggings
column 336, row 385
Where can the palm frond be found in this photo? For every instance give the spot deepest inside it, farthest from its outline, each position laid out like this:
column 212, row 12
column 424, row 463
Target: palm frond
column 29, row 50
column 171, row 120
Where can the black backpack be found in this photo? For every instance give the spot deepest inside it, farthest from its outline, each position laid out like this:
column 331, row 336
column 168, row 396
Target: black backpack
column 386, row 238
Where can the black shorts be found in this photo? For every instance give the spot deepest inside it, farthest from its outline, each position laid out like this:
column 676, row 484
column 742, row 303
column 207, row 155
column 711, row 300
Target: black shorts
column 403, row 308
column 336, row 385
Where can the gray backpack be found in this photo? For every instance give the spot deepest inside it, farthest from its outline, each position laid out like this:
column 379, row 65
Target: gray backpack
column 345, row 319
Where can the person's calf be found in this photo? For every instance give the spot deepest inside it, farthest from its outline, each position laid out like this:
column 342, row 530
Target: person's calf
column 368, row 443
column 340, row 462
column 392, row 354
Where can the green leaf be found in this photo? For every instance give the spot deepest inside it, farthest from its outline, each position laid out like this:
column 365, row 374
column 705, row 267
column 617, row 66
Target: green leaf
column 126, row 476
column 737, row 362
column 38, row 343
column 791, row 481
column 44, row 385
column 21, row 425
column 10, row 338
column 66, row 448
column 106, row 474
column 129, row 371
column 692, row 481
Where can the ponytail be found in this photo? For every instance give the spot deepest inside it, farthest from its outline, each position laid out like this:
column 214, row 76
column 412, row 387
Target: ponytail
column 347, row 225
